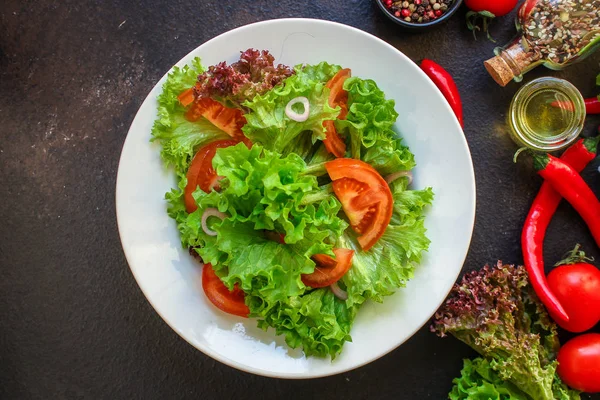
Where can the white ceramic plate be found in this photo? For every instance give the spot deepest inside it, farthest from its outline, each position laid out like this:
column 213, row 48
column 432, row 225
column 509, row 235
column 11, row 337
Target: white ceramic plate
column 171, row 279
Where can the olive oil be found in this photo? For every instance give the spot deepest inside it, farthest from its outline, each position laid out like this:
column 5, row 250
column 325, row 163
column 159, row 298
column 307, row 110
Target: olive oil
column 547, row 114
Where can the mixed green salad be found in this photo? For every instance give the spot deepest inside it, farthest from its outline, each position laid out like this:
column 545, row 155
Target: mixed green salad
column 293, row 191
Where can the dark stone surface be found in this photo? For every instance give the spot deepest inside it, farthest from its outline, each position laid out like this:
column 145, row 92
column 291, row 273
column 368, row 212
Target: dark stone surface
column 72, row 75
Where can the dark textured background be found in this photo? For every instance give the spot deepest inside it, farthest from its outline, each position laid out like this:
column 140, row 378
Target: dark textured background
column 73, row 322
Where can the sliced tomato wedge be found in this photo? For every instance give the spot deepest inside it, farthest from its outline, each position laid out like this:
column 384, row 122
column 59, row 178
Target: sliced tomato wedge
column 229, row 120
column 337, row 97
column 333, row 142
column 201, row 172
column 186, row 97
column 329, row 270
column 232, row 302
column 365, row 196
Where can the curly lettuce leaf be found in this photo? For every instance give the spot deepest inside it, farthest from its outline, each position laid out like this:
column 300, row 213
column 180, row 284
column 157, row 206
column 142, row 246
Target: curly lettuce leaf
column 271, row 191
column 369, row 125
column 267, row 123
column 318, row 321
column 391, row 262
column 496, row 312
column 480, row 381
column 255, row 73
column 179, row 137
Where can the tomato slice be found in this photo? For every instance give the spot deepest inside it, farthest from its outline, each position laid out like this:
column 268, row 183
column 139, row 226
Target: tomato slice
column 328, row 269
column 232, row 302
column 229, row 120
column 333, row 142
column 186, row 97
column 201, row 172
column 365, row 196
column 337, row 97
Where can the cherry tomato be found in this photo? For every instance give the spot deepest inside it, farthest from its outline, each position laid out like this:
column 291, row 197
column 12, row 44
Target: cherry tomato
column 229, row 120
column 232, row 302
column 337, row 97
column 365, row 197
column 577, row 288
column 201, row 172
column 328, row 269
column 496, row 7
column 579, row 363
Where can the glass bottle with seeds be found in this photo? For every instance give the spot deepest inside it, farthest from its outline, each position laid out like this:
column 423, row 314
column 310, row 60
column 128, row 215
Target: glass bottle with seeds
column 555, row 33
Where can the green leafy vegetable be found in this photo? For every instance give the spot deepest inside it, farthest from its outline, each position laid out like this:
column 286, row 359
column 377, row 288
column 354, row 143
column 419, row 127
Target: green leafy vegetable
column 268, row 124
column 369, row 125
column 478, row 381
column 318, row 321
column 271, row 189
column 180, row 138
column 391, row 262
column 497, row 313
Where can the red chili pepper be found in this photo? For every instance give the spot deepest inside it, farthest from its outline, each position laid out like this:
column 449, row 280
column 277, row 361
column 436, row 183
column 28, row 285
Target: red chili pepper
column 447, row 86
column 572, row 187
column 592, row 105
column 534, row 230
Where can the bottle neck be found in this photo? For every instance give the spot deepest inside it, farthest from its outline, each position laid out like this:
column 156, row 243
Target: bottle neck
column 511, row 62
column 517, row 58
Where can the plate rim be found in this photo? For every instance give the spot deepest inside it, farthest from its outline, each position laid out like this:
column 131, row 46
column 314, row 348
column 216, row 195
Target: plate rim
column 207, row 350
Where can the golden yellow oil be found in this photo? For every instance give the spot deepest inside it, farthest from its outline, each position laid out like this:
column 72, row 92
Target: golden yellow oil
column 548, row 113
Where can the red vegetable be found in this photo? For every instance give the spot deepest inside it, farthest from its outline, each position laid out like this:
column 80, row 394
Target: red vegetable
column 579, row 363
column 201, row 172
column 229, row 120
column 538, row 219
column 337, row 97
column 186, row 97
column 576, row 285
column 365, row 196
column 329, row 270
column 447, row 86
column 592, row 105
column 496, row 7
column 572, row 187
column 486, row 10
column 232, row 302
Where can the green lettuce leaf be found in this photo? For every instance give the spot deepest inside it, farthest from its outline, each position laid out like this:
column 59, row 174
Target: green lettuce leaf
column 478, row 381
column 318, row 321
column 391, row 262
column 497, row 313
column 179, row 137
column 271, row 191
column 267, row 123
column 369, row 126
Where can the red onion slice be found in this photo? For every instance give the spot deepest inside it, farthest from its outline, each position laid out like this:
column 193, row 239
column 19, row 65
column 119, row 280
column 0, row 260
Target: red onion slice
column 293, row 115
column 392, row 177
column 211, row 212
column 339, row 293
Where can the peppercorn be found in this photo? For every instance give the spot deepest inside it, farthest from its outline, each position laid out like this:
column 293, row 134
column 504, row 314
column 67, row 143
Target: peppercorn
column 417, row 11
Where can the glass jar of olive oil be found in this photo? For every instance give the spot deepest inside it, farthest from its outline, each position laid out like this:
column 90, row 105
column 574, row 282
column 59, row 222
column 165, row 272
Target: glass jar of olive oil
column 546, row 114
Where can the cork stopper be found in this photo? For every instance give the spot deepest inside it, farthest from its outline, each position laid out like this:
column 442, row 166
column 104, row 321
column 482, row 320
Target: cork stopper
column 499, row 69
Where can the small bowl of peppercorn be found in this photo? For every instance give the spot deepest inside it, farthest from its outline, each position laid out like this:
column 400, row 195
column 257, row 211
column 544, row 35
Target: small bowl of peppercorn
column 418, row 14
